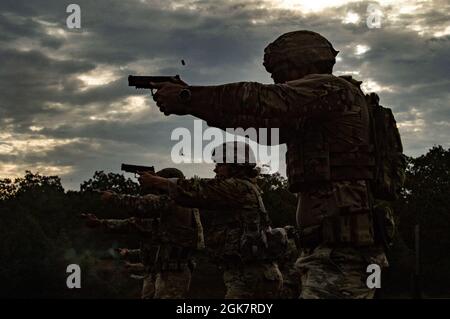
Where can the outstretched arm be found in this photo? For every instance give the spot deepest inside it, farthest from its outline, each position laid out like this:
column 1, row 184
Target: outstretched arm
column 131, row 255
column 125, row 225
column 251, row 104
column 146, row 206
column 210, row 192
column 119, row 225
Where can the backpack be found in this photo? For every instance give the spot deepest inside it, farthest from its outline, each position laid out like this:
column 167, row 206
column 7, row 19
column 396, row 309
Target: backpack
column 390, row 163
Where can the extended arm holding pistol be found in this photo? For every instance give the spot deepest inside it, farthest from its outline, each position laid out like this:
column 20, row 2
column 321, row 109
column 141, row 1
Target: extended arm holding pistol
column 147, row 82
column 136, row 168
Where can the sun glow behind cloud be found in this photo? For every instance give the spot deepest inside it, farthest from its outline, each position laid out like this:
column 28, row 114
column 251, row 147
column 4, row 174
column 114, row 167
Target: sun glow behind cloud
column 101, row 75
column 16, row 144
column 131, row 108
column 19, row 145
column 11, row 171
column 351, row 17
column 361, row 49
column 395, row 13
column 309, row 6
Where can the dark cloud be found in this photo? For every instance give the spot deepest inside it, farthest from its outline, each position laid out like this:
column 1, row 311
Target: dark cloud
column 43, row 94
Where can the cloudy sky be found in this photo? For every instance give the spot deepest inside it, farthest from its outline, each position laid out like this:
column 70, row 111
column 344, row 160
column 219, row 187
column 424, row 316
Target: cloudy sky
column 66, row 109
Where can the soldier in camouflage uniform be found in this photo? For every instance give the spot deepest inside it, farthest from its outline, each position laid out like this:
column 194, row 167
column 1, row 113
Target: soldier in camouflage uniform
column 138, row 261
column 324, row 120
column 175, row 229
column 234, row 221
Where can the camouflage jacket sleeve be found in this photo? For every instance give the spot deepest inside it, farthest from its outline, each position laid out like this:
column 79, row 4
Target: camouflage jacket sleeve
column 118, row 225
column 146, row 206
column 207, row 193
column 251, row 104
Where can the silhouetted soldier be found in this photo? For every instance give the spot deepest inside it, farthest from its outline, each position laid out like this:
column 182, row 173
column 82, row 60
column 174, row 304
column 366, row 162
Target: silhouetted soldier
column 333, row 161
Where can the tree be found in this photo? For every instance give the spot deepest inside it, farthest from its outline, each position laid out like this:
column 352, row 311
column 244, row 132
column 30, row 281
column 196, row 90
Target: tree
column 40, row 232
column 280, row 203
column 8, row 189
column 426, row 201
column 110, row 181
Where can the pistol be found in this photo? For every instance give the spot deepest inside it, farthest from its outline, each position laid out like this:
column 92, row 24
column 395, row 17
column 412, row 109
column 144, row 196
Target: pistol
column 144, row 82
column 136, row 168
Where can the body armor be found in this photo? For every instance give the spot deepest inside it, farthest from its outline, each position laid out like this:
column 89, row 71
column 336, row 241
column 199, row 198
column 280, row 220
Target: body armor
column 329, row 161
column 337, row 148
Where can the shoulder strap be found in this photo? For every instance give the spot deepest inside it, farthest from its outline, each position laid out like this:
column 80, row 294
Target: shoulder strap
column 199, row 227
column 258, row 194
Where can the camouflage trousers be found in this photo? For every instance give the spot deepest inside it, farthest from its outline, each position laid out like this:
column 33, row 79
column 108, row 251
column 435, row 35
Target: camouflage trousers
column 250, row 281
column 291, row 281
column 148, row 287
column 338, row 272
column 173, row 284
column 167, row 284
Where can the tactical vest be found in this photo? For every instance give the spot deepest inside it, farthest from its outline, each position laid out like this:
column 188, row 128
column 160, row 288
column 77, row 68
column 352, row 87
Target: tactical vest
column 266, row 243
column 334, row 146
column 187, row 234
column 239, row 235
column 360, row 143
column 178, row 240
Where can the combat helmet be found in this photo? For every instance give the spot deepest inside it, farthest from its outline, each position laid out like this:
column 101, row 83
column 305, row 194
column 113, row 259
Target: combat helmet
column 237, row 153
column 299, row 48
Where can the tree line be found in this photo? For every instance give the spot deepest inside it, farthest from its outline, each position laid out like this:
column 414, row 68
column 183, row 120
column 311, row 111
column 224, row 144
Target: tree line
column 41, row 233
